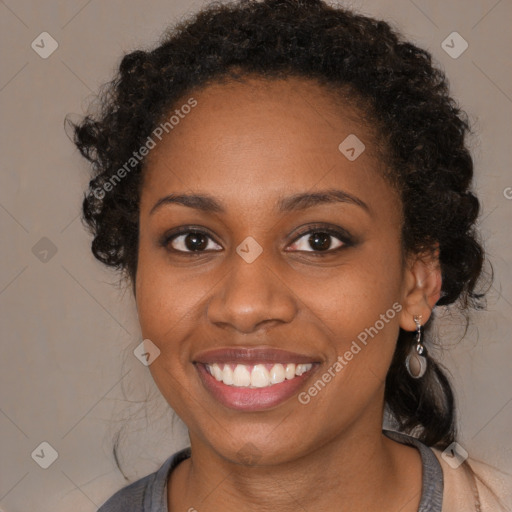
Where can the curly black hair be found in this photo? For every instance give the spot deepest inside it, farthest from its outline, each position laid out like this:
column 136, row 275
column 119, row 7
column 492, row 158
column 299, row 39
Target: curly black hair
column 395, row 83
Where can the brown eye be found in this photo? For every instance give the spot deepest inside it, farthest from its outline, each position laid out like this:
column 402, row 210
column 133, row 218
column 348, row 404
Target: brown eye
column 189, row 241
column 318, row 241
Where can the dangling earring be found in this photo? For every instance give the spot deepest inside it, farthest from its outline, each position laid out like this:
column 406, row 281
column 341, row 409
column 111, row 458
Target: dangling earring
column 416, row 362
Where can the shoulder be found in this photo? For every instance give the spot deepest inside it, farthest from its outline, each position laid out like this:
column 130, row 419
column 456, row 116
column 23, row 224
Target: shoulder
column 492, row 486
column 129, row 498
column 147, row 494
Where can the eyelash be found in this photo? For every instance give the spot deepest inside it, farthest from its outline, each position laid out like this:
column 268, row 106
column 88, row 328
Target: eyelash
column 338, row 233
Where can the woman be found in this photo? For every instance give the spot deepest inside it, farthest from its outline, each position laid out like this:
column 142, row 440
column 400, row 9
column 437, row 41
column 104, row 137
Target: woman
column 286, row 186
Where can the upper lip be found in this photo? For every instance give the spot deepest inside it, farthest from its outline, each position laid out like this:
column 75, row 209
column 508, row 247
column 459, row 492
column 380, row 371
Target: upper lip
column 253, row 355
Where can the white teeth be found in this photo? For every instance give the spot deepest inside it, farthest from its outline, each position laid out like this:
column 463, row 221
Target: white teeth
column 301, row 368
column 290, row 371
column 217, row 372
column 304, row 368
column 241, row 376
column 277, row 374
column 227, row 375
column 259, row 377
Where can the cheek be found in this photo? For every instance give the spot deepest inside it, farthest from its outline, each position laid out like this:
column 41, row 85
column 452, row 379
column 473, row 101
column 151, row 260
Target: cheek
column 164, row 306
column 171, row 305
column 165, row 313
column 159, row 298
column 350, row 297
column 358, row 307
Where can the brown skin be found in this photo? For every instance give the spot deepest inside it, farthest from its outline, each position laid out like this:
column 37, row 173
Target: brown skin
column 248, row 145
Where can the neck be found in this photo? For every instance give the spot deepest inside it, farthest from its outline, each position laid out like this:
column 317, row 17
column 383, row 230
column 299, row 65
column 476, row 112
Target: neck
column 354, row 472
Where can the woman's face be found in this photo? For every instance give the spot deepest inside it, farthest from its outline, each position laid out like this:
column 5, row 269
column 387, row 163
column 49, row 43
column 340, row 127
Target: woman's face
column 253, row 278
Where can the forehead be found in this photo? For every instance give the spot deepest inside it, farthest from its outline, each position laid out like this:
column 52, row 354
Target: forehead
column 263, row 135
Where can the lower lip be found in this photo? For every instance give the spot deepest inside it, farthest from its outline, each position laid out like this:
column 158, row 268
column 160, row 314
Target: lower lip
column 252, row 399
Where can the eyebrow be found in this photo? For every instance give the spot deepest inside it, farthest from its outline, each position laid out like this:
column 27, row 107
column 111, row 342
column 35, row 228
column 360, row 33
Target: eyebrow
column 295, row 202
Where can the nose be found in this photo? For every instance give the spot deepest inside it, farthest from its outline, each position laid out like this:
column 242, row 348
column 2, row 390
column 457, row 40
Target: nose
column 250, row 296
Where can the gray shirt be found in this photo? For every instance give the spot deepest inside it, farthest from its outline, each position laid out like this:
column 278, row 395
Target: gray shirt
column 149, row 494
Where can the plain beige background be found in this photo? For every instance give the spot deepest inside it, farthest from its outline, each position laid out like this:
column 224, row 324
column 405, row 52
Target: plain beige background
column 69, row 377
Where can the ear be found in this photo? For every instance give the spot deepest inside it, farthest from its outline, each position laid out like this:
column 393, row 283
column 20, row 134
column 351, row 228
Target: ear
column 422, row 288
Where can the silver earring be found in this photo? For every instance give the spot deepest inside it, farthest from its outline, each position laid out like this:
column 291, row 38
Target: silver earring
column 416, row 362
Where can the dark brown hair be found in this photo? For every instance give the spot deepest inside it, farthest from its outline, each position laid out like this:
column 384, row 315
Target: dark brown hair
column 423, row 128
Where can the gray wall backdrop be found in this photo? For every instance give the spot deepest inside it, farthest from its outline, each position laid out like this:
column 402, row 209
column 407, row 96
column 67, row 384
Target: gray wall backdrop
column 69, row 377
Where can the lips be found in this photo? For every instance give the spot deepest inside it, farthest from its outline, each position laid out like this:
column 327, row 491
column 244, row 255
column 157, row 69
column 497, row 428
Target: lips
column 239, row 393
column 252, row 356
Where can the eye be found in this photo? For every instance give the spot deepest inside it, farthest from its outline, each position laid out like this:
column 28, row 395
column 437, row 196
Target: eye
column 317, row 240
column 188, row 241
column 320, row 240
